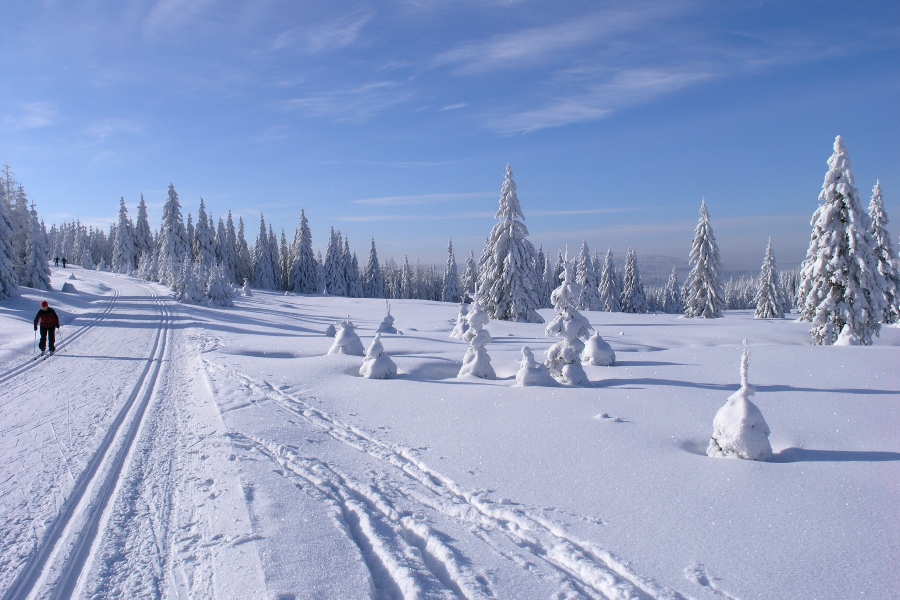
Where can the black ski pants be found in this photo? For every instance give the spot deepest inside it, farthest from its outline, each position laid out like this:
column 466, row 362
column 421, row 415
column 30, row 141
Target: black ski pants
column 45, row 333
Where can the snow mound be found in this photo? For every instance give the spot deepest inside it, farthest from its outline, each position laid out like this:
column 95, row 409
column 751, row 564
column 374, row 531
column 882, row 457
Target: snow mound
column 330, row 331
column 739, row 429
column 346, row 341
column 598, row 352
column 847, row 337
column 533, row 373
column 387, row 324
column 72, row 276
column 461, row 323
column 68, row 287
column 377, row 364
column 245, row 291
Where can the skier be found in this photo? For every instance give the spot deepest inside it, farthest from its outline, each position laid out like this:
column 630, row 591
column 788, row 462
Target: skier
column 56, row 261
column 64, row 262
column 49, row 322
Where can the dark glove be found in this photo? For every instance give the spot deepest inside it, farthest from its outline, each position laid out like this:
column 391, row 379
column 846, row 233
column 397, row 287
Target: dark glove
column 35, row 327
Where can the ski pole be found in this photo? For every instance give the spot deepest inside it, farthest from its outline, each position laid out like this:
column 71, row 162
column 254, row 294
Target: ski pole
column 35, row 340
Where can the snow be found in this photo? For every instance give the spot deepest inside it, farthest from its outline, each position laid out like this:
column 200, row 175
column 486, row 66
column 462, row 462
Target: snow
column 262, row 467
column 346, row 341
column 532, row 372
column 598, row 352
column 377, row 364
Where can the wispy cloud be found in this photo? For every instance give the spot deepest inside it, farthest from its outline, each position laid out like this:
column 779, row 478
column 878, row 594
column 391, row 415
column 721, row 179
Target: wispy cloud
column 334, row 34
column 104, row 129
column 355, row 104
column 408, row 217
column 31, row 115
column 422, row 199
column 454, row 106
column 171, row 14
column 414, row 164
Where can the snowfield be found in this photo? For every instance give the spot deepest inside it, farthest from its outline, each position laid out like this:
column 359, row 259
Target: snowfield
column 190, row 452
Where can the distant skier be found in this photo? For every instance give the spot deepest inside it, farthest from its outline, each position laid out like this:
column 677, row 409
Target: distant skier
column 56, row 261
column 64, row 262
column 49, row 323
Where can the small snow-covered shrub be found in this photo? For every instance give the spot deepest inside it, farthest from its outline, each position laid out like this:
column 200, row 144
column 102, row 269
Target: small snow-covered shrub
column 533, row 373
column 739, row 429
column 245, row 291
column 377, row 364
column 598, row 352
column 387, row 325
column 461, row 323
column 847, row 337
column 564, row 357
column 476, row 362
column 346, row 341
column 330, row 331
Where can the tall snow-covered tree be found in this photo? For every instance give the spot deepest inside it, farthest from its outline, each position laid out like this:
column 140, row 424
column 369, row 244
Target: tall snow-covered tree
column 406, row 282
column 285, row 254
column 373, row 281
column 671, row 303
column 507, row 283
column 304, row 277
column 470, row 278
column 174, row 247
column 263, row 261
column 124, row 251
column 888, row 264
column 143, row 235
column 9, row 281
column 275, row 253
column 610, row 292
column 634, row 297
column 351, row 272
column 704, row 295
column 243, row 266
column 333, row 266
column 585, row 276
column 204, row 239
column 37, row 259
column 769, row 299
column 191, row 234
column 450, row 290
column 840, row 281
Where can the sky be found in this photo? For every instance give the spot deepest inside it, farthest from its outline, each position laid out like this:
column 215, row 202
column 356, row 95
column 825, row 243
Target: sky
column 396, row 119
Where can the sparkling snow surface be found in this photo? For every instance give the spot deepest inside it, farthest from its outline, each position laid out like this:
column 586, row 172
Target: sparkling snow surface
column 193, row 452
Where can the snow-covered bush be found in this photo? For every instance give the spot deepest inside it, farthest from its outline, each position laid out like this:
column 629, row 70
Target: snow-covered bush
column 387, row 324
column 188, row 290
column 739, row 429
column 377, row 364
column 245, row 290
column 847, row 337
column 564, row 357
column 87, row 260
column 476, row 361
column 461, row 323
column 533, row 373
column 598, row 352
column 346, row 341
column 330, row 331
column 218, row 288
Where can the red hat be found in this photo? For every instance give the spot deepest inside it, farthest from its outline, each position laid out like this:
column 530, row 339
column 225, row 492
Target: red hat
column 45, row 304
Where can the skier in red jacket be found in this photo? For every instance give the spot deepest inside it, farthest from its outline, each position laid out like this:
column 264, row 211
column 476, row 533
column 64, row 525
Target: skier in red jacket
column 49, row 322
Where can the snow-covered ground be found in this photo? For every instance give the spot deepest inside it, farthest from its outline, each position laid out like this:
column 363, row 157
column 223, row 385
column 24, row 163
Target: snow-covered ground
column 190, row 452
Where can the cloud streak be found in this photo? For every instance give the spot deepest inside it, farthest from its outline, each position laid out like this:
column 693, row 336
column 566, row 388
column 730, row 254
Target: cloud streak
column 422, row 199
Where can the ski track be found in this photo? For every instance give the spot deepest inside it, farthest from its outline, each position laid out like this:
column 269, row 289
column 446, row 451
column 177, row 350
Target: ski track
column 56, row 565
column 406, row 557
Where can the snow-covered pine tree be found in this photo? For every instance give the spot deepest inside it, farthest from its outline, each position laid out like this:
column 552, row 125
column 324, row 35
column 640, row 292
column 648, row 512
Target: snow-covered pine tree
column 191, row 234
column 218, row 289
column 450, row 290
column 769, row 299
column 333, row 266
column 406, row 280
column 37, row 265
column 888, row 264
column 704, row 295
column 204, row 239
column 230, row 250
column 564, row 357
column 840, row 281
column 275, row 253
column 243, row 266
column 585, row 276
column 143, row 235
column 547, row 283
column 287, row 261
column 470, row 278
column 610, row 293
column 634, row 298
column 351, row 272
column 174, row 247
column 304, row 271
column 373, row 282
column 9, row 282
column 263, row 261
column 672, row 295
column 507, row 283
column 124, row 250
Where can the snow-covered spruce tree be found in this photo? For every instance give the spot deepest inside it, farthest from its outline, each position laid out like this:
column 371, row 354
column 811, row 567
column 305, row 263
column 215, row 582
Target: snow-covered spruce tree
column 231, row 250
column 888, row 264
column 564, row 357
column 634, row 298
column 351, row 272
column 149, row 269
column 333, row 266
column 87, row 261
column 672, row 295
column 704, row 295
column 377, row 364
column 191, row 234
column 9, row 282
column 174, row 247
column 507, row 282
column 286, row 262
column 37, row 266
column 769, row 299
column 373, row 282
column 476, row 362
column 275, row 253
column 188, row 289
column 346, row 341
column 739, row 429
column 840, row 281
column 263, row 261
column 450, row 289
column 585, row 276
column 143, row 235
column 547, row 286
column 610, row 293
column 470, row 278
column 406, row 280
column 243, row 268
column 204, row 239
column 124, row 251
column 218, row 289
column 304, row 271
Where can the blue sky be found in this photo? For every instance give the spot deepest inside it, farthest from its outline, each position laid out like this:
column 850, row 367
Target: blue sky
column 396, row 119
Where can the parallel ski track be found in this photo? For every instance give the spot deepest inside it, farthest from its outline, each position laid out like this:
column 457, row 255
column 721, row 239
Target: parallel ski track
column 94, row 489
column 62, row 345
column 592, row 571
